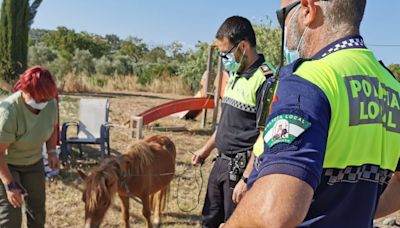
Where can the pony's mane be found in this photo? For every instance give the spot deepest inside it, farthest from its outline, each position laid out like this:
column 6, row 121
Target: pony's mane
column 138, row 156
column 99, row 182
column 103, row 177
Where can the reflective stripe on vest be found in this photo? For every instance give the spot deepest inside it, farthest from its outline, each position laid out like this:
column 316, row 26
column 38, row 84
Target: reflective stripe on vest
column 240, row 92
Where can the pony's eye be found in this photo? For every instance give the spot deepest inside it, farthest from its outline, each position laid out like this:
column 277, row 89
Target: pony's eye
column 105, row 204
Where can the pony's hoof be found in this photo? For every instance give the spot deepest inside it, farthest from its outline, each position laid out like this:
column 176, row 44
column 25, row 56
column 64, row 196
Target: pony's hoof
column 157, row 224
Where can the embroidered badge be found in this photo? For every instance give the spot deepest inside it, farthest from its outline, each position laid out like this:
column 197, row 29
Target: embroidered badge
column 284, row 129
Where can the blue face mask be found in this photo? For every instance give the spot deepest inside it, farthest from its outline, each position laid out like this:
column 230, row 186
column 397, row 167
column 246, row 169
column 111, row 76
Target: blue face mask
column 292, row 55
column 230, row 63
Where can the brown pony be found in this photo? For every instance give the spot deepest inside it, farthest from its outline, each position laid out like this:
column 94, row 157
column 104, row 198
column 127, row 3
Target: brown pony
column 145, row 171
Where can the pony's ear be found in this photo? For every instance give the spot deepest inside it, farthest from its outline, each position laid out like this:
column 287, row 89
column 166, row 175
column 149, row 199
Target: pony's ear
column 82, row 174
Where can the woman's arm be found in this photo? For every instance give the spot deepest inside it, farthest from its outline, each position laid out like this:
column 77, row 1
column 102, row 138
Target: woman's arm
column 13, row 188
column 54, row 162
column 5, row 174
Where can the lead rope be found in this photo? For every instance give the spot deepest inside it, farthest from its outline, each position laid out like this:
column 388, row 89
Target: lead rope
column 200, row 186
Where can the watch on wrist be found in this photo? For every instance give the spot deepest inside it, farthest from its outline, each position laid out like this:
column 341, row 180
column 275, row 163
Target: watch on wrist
column 244, row 179
column 11, row 186
column 15, row 185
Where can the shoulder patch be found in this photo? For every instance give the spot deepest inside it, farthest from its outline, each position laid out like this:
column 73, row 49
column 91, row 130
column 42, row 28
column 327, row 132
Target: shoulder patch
column 266, row 70
column 284, row 128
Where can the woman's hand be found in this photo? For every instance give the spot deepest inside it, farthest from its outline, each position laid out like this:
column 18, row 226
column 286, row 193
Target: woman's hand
column 15, row 198
column 53, row 161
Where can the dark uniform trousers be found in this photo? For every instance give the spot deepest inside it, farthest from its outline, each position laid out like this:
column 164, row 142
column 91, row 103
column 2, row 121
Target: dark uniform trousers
column 32, row 178
column 218, row 204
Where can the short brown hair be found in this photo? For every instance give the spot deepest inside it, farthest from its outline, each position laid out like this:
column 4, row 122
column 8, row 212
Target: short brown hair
column 236, row 29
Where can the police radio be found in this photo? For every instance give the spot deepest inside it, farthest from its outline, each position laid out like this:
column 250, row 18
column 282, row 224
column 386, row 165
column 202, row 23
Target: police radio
column 237, row 166
column 266, row 95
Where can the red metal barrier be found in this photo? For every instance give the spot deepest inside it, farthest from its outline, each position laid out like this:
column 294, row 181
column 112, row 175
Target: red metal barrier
column 172, row 107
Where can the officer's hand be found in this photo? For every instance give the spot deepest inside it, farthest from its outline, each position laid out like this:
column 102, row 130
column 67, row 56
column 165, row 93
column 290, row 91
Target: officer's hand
column 14, row 197
column 239, row 191
column 199, row 156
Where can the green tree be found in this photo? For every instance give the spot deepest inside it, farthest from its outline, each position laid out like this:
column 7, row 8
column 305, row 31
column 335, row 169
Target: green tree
column 175, row 50
column 268, row 41
column 195, row 65
column 95, row 44
column 133, row 47
column 114, row 42
column 156, row 55
column 36, row 36
column 66, row 41
column 15, row 21
column 63, row 40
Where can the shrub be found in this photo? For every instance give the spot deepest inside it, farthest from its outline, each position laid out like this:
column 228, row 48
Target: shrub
column 41, row 55
column 122, row 65
column 82, row 62
column 104, row 66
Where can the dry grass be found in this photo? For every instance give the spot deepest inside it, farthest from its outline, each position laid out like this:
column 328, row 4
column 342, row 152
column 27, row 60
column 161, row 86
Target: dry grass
column 73, row 83
column 98, row 83
column 169, row 85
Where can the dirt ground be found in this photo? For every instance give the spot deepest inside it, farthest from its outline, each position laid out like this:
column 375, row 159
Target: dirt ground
column 64, row 206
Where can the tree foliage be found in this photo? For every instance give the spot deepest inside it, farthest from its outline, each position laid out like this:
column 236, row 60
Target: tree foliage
column 133, row 47
column 65, row 51
column 15, row 21
column 195, row 65
column 66, row 41
column 13, row 38
column 268, row 41
column 41, row 55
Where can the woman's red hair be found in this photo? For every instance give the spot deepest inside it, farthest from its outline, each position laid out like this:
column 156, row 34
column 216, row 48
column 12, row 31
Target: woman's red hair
column 38, row 83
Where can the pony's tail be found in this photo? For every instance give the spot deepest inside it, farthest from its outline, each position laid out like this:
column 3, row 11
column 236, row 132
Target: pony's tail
column 158, row 200
column 164, row 197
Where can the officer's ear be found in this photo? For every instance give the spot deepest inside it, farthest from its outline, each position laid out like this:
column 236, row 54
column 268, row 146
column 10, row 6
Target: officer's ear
column 309, row 13
column 244, row 46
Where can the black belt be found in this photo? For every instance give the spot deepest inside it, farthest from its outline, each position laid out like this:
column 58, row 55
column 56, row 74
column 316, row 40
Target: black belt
column 229, row 157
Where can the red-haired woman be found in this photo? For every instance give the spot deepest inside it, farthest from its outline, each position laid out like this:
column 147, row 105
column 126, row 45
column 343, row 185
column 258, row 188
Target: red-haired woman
column 28, row 118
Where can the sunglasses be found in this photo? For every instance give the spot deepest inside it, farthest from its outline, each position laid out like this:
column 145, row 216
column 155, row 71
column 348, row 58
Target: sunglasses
column 224, row 54
column 282, row 13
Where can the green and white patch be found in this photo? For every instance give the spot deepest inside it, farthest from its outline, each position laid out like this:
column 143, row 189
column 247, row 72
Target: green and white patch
column 284, row 128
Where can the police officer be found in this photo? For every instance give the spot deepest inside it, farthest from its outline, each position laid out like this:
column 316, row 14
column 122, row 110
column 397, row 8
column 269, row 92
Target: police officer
column 237, row 131
column 331, row 140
